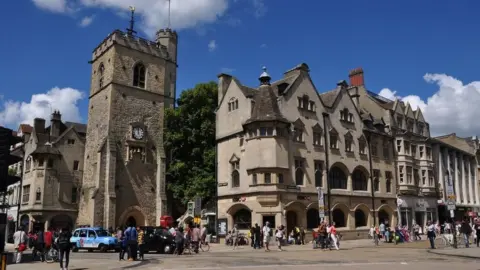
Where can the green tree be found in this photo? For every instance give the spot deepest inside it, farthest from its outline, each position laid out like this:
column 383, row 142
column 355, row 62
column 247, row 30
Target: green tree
column 12, row 171
column 190, row 144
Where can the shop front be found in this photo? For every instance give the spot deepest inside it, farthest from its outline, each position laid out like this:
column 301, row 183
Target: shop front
column 417, row 210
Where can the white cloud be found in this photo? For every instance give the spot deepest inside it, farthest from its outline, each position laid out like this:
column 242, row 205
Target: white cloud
column 154, row 13
column 13, row 113
column 212, row 45
column 259, row 8
column 452, row 108
column 86, row 21
column 52, row 5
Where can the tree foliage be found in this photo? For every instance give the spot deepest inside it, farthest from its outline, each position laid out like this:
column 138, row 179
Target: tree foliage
column 190, row 144
column 12, row 171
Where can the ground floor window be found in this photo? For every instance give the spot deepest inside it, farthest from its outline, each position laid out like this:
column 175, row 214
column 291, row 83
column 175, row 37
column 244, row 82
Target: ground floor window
column 243, row 219
column 404, row 216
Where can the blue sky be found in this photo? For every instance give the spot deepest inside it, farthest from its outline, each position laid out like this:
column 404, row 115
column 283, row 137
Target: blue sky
column 48, row 44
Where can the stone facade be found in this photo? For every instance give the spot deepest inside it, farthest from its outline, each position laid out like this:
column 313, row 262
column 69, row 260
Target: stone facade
column 52, row 171
column 272, row 155
column 456, row 157
column 415, row 167
column 133, row 81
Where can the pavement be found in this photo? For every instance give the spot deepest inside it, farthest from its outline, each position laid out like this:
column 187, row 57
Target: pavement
column 470, row 253
column 358, row 254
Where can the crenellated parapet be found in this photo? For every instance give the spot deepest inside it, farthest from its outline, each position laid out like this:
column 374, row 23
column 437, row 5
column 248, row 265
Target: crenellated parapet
column 133, row 42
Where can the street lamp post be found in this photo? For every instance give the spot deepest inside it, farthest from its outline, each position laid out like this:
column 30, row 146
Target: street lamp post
column 329, row 181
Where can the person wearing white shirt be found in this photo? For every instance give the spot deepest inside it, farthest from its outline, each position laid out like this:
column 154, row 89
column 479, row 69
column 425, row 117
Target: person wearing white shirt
column 266, row 235
column 19, row 238
column 431, row 234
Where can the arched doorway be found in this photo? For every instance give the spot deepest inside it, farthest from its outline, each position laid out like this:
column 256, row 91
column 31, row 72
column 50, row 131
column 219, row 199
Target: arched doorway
column 360, row 218
column 131, row 221
column 61, row 222
column 312, row 218
column 243, row 219
column 383, row 217
column 292, row 220
column 132, row 214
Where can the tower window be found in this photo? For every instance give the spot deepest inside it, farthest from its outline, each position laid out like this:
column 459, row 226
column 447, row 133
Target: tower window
column 101, row 70
column 139, row 75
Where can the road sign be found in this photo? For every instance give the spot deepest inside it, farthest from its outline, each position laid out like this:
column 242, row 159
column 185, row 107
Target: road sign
column 450, row 197
column 191, row 209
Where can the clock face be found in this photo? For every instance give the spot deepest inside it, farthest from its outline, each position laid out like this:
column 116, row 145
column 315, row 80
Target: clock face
column 138, row 133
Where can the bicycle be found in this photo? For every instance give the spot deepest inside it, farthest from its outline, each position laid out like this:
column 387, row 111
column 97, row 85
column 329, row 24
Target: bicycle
column 204, row 246
column 51, row 255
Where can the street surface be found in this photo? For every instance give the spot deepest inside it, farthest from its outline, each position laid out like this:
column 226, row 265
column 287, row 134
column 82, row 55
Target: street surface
column 359, row 254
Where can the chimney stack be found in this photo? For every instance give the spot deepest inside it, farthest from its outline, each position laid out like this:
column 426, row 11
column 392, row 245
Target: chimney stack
column 55, row 123
column 356, row 77
column 39, row 125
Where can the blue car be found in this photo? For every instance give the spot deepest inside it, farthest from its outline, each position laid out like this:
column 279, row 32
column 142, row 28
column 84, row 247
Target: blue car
column 91, row 239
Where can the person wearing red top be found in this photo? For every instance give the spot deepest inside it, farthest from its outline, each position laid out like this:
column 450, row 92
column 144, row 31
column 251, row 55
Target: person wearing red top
column 48, row 239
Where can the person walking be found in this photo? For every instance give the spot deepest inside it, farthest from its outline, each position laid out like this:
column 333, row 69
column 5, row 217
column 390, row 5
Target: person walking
column 40, row 245
column 257, row 236
column 64, row 247
column 20, row 244
column 279, row 235
column 196, row 236
column 466, row 230
column 235, row 234
column 179, row 241
column 431, row 234
column 141, row 242
column 333, row 235
column 266, row 235
column 131, row 235
column 122, row 242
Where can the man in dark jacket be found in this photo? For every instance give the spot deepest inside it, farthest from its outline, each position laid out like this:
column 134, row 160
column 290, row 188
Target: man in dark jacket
column 40, row 245
column 257, row 236
column 466, row 229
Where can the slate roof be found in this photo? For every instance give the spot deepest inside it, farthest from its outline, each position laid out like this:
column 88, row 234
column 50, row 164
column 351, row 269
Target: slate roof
column 329, row 97
column 265, row 107
column 46, row 149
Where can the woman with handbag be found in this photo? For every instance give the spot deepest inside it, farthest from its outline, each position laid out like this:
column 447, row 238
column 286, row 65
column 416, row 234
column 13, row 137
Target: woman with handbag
column 20, row 243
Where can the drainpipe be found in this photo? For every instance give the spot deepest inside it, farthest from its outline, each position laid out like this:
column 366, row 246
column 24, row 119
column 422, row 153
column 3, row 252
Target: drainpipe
column 216, row 193
column 372, row 186
column 21, row 182
column 329, row 181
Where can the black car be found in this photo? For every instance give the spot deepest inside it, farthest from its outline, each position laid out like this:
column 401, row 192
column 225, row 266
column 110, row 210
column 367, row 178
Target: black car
column 158, row 239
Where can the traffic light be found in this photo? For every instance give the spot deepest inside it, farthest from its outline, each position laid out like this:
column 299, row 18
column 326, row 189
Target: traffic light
column 7, row 139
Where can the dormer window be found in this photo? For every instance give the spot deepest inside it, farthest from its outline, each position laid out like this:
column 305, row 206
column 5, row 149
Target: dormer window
column 348, row 143
column 317, row 135
column 233, row 104
column 420, row 128
column 298, row 134
column 362, row 146
column 410, row 125
column 333, row 139
column 374, row 148
column 400, row 121
column 346, row 116
column 266, row 131
column 305, row 103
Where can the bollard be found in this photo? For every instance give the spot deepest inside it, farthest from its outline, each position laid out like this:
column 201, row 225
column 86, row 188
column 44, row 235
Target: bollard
column 4, row 261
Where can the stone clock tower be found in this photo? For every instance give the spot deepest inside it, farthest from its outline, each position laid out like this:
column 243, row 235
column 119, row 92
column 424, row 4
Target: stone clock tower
column 132, row 82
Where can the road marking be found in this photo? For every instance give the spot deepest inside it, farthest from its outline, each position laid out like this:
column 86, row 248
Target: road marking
column 287, row 265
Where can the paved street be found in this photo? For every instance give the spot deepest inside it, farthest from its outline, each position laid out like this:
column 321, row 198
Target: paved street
column 356, row 255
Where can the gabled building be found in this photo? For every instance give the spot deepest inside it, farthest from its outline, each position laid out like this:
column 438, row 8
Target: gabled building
column 279, row 143
column 53, row 167
column 415, row 170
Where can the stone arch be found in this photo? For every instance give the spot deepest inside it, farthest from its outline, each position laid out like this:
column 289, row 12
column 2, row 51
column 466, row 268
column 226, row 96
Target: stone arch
column 360, row 178
column 385, row 214
column 340, row 215
column 61, row 221
column 338, row 176
column 240, row 214
column 362, row 215
column 295, row 215
column 134, row 212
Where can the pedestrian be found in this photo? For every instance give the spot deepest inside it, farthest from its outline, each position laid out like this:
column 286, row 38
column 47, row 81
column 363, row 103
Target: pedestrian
column 122, row 241
column 40, row 245
column 266, row 235
column 64, row 247
column 132, row 242
column 179, row 241
column 279, row 235
column 322, row 235
column 257, row 236
column 48, row 239
column 196, row 236
column 431, row 234
column 251, row 235
column 466, row 229
column 302, row 235
column 20, row 244
column 333, row 235
column 235, row 234
column 141, row 242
